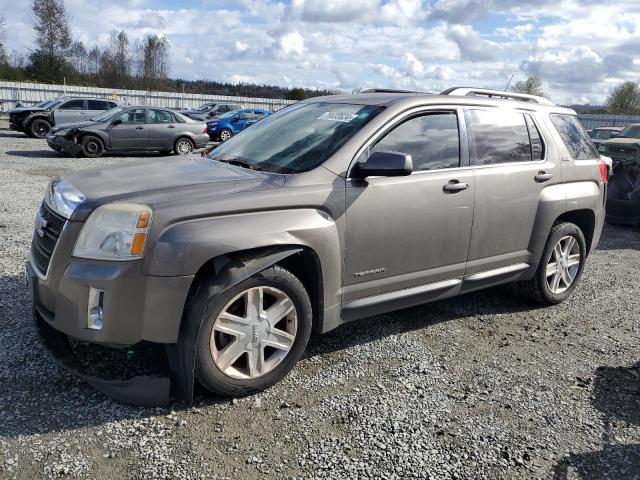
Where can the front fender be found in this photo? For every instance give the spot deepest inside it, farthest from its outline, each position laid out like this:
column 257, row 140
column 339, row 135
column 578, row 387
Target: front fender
column 186, row 246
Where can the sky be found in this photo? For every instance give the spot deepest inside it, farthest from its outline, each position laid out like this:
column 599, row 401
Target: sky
column 580, row 48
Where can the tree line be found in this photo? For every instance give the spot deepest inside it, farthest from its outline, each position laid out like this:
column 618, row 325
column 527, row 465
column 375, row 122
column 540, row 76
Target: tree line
column 141, row 64
column 624, row 99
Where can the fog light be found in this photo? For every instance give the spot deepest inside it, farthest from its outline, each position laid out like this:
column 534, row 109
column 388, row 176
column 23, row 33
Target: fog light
column 94, row 309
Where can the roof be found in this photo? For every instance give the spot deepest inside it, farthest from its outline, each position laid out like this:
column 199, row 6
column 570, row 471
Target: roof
column 410, row 99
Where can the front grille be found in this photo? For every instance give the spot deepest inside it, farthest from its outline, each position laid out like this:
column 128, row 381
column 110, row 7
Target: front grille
column 49, row 226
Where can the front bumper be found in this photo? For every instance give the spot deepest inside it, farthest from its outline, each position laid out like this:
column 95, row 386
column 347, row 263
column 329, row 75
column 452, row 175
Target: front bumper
column 136, row 308
column 64, row 145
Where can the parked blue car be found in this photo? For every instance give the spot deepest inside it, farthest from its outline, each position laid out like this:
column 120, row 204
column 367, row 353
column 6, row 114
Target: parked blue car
column 227, row 125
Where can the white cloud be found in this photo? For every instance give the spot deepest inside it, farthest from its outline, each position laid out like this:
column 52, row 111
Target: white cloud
column 291, row 45
column 581, row 48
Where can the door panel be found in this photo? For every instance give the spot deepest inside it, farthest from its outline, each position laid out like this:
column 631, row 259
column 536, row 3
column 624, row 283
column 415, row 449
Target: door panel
column 160, row 129
column 507, row 195
column 406, row 231
column 71, row 111
column 132, row 133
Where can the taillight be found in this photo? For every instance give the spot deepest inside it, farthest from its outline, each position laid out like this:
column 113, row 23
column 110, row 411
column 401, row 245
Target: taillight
column 204, row 130
column 604, row 171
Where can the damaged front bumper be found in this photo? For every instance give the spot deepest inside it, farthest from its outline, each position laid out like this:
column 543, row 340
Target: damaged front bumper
column 64, row 144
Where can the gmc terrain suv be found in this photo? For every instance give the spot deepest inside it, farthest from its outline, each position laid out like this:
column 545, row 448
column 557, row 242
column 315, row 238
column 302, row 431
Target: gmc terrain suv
column 36, row 121
column 328, row 211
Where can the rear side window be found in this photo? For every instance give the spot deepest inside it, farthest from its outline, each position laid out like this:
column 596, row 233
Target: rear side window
column 574, row 136
column 537, row 146
column 159, row 116
column 97, row 105
column 432, row 141
column 73, row 105
column 499, row 136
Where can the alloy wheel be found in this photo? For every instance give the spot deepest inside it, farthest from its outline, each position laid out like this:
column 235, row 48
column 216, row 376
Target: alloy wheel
column 225, row 135
column 254, row 332
column 563, row 265
column 184, row 147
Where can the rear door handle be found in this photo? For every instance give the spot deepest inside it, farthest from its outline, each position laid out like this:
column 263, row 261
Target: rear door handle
column 172, row 126
column 139, row 128
column 455, row 186
column 543, row 176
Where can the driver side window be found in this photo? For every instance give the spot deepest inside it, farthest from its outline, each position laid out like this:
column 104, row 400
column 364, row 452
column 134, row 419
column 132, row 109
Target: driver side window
column 432, row 140
column 133, row 116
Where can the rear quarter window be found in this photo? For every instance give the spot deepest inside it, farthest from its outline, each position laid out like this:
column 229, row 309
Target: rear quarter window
column 574, row 136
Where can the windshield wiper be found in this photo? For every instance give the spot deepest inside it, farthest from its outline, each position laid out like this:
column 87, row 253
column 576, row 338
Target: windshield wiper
column 240, row 163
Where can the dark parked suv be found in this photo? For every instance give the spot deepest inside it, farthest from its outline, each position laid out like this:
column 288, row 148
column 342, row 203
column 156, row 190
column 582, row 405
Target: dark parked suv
column 331, row 210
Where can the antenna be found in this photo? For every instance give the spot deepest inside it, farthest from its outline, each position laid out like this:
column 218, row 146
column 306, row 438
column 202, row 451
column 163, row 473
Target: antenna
column 509, row 82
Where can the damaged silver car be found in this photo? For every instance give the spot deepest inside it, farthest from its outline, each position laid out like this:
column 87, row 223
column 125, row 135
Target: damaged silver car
column 130, row 129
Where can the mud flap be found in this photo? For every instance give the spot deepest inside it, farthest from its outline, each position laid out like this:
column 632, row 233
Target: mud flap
column 141, row 391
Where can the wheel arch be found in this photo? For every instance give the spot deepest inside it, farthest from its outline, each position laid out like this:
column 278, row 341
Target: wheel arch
column 585, row 219
column 226, row 271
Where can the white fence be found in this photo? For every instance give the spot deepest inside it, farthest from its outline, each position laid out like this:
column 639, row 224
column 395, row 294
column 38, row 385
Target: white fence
column 29, row 93
column 590, row 121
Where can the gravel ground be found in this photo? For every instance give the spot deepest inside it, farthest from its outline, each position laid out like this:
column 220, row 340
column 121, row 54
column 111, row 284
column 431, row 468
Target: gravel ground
column 485, row 386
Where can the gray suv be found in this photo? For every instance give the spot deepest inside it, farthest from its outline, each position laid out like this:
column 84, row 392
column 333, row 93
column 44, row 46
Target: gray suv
column 330, row 210
column 37, row 120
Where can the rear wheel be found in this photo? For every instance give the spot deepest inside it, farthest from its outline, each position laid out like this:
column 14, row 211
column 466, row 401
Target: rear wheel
column 225, row 134
column 560, row 267
column 183, row 146
column 38, row 128
column 253, row 334
column 92, row 147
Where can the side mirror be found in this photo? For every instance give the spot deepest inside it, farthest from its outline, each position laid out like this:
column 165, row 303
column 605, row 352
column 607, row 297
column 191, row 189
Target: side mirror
column 385, row 164
column 117, row 122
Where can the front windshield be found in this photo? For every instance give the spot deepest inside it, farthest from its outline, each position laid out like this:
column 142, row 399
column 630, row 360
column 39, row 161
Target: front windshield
column 204, row 107
column 44, row 104
column 297, row 139
column 228, row 114
column 103, row 117
column 602, row 134
column 632, row 131
column 54, row 104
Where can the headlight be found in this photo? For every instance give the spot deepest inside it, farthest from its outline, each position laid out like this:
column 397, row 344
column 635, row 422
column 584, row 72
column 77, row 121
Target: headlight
column 63, row 197
column 116, row 231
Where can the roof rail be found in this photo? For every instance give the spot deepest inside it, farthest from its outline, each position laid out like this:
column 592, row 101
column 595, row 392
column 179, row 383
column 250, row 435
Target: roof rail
column 485, row 92
column 388, row 90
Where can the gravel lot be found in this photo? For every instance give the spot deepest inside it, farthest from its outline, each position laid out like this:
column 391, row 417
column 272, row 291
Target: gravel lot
column 483, row 386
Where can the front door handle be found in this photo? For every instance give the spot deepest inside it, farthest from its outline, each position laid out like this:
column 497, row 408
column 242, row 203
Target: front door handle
column 455, row 186
column 543, row 176
column 172, row 126
column 139, row 128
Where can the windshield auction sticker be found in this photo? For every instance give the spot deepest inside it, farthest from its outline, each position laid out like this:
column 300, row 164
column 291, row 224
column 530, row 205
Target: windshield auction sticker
column 337, row 116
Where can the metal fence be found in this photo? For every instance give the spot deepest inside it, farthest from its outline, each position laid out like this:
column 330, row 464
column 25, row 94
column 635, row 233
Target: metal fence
column 590, row 121
column 12, row 93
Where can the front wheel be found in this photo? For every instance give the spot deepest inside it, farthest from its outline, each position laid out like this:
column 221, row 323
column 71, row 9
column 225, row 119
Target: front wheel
column 92, row 147
column 38, row 128
column 560, row 267
column 253, row 334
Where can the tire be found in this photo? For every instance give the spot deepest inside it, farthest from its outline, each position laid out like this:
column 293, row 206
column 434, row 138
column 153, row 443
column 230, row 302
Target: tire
column 225, row 134
column 541, row 287
column 92, row 146
column 38, row 128
column 216, row 370
column 183, row 146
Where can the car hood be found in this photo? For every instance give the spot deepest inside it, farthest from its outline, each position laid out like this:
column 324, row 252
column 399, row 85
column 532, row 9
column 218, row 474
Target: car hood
column 621, row 141
column 161, row 181
column 69, row 126
column 26, row 109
